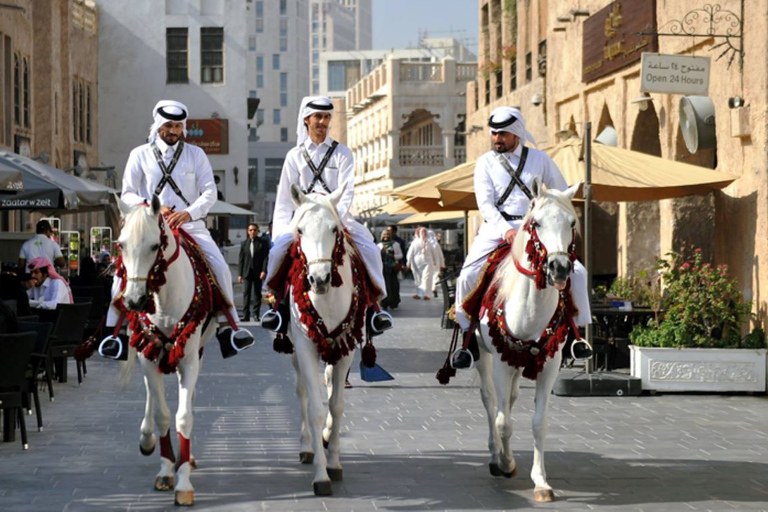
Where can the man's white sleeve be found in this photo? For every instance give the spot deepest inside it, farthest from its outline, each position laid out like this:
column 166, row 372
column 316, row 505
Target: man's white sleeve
column 133, row 181
column 281, row 218
column 346, row 179
column 206, row 187
column 485, row 196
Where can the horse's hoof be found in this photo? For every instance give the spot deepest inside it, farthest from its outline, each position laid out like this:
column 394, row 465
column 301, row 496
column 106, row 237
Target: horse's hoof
column 148, row 452
column 496, row 471
column 165, row 483
column 192, row 463
column 322, row 488
column 307, row 457
column 335, row 474
column 544, row 495
column 185, row 498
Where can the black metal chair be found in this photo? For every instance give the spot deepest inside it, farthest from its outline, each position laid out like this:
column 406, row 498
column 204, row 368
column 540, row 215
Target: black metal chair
column 67, row 335
column 15, row 352
column 448, row 288
column 94, row 294
column 39, row 363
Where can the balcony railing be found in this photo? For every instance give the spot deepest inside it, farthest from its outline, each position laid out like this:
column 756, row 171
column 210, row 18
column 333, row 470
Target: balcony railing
column 422, row 156
column 460, row 154
column 421, row 72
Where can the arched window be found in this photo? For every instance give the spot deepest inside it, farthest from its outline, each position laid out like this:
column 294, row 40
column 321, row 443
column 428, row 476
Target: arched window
column 25, row 100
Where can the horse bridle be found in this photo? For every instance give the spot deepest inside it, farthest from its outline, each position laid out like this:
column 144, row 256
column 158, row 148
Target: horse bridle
column 539, row 256
column 160, row 265
column 338, row 254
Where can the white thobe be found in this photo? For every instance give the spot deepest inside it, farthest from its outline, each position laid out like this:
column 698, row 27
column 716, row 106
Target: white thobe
column 423, row 261
column 48, row 294
column 439, row 263
column 491, row 181
column 339, row 170
column 194, row 177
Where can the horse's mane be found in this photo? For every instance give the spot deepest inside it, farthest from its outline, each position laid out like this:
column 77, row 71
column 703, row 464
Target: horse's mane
column 507, row 274
column 319, row 200
column 140, row 222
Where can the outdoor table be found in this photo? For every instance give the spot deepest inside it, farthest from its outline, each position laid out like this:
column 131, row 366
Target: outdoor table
column 611, row 333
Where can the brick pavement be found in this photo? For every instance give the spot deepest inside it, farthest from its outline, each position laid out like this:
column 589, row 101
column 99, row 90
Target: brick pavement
column 409, row 444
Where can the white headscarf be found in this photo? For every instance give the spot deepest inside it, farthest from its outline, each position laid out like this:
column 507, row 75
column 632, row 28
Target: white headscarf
column 509, row 119
column 309, row 106
column 167, row 110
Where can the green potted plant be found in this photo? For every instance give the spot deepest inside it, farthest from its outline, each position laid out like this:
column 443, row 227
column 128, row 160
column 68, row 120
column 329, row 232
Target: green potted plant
column 697, row 344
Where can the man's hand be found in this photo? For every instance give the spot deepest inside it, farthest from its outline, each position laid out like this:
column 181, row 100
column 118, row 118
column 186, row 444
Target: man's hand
column 164, row 209
column 240, row 279
column 509, row 236
column 176, row 219
column 262, row 275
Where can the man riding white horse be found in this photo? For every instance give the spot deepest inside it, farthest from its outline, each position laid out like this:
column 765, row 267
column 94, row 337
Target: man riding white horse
column 503, row 177
column 180, row 175
column 319, row 164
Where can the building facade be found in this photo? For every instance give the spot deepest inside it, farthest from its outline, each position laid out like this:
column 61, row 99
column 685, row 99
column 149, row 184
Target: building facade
column 581, row 61
column 48, row 92
column 405, row 121
column 193, row 51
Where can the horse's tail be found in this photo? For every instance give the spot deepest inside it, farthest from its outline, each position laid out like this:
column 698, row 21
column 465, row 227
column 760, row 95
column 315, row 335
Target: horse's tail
column 126, row 368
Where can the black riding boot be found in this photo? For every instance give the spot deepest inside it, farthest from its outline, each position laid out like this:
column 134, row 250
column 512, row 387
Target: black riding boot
column 462, row 359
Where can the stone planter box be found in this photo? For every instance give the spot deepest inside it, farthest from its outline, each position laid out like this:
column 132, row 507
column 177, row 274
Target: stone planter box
column 699, row 369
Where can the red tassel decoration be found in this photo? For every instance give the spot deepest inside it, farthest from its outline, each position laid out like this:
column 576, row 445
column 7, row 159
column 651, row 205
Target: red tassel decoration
column 369, row 355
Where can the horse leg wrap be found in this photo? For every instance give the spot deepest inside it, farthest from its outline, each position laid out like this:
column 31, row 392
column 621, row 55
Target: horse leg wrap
column 166, row 447
column 184, row 451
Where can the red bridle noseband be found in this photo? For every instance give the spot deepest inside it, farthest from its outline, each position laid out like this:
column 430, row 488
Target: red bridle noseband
column 538, row 255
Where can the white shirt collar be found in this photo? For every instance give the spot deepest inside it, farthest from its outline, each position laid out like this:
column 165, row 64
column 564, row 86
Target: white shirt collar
column 310, row 144
column 163, row 147
column 517, row 153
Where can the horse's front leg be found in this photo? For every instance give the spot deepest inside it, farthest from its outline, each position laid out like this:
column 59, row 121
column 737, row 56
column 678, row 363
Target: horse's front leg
column 544, row 384
column 306, row 453
column 308, row 360
column 336, row 411
column 157, row 410
column 506, row 382
column 484, row 367
column 188, row 371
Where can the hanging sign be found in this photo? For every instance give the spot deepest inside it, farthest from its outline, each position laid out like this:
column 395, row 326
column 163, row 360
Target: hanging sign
column 675, row 74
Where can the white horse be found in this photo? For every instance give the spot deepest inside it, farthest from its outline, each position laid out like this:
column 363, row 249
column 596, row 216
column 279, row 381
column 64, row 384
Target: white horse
column 527, row 313
column 317, row 224
column 141, row 243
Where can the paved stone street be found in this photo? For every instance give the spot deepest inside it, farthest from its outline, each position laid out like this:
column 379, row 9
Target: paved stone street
column 409, row 444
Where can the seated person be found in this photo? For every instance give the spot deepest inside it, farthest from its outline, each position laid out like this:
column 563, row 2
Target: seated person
column 50, row 288
column 13, row 286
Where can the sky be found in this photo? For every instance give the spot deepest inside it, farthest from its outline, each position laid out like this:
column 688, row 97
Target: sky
column 396, row 23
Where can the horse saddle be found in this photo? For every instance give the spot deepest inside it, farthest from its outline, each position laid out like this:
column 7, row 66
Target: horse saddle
column 473, row 302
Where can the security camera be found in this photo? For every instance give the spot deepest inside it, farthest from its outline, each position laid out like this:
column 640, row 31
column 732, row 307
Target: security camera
column 537, row 99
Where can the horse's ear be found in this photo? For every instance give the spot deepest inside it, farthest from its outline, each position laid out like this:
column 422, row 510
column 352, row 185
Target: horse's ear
column 536, row 187
column 335, row 196
column 122, row 206
column 571, row 192
column 297, row 195
column 155, row 205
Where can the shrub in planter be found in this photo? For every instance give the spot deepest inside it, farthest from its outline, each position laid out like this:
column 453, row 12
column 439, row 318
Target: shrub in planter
column 703, row 308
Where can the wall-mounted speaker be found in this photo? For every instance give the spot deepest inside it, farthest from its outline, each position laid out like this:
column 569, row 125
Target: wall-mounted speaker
column 697, row 122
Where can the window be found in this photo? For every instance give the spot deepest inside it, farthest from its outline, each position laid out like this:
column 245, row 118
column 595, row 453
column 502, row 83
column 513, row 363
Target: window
column 212, row 55
column 25, row 101
column 75, row 120
column 276, row 61
column 487, row 91
column 283, row 134
column 81, row 107
column 259, row 81
column 542, row 59
column 176, row 60
column 276, row 116
column 283, row 7
column 272, row 169
column 283, row 27
column 499, row 83
column 259, row 63
column 251, row 94
column 16, row 90
column 88, row 114
column 513, row 75
column 252, row 134
column 252, row 43
column 283, row 99
column 283, row 44
column 260, row 116
column 283, row 81
column 259, row 16
column 253, row 175
column 528, row 67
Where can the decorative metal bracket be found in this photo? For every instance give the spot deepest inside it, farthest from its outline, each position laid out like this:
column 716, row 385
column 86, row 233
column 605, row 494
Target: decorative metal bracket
column 705, row 22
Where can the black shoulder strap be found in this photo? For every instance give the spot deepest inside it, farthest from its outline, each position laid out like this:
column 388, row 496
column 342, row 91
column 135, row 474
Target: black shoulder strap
column 318, row 171
column 516, row 181
column 167, row 180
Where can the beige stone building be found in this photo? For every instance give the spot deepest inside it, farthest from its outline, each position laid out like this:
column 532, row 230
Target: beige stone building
column 568, row 62
column 48, row 97
column 405, row 121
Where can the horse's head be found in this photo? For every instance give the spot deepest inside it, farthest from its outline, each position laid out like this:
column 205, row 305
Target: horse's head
column 554, row 220
column 317, row 223
column 139, row 244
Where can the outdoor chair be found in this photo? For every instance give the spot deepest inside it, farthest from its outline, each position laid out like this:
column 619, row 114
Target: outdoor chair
column 67, row 335
column 448, row 288
column 94, row 294
column 39, row 364
column 15, row 352
column 12, row 305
